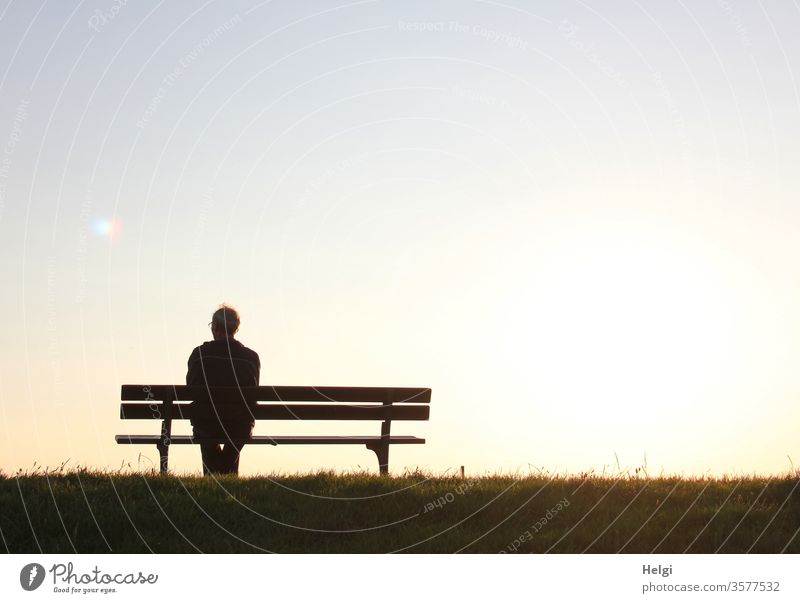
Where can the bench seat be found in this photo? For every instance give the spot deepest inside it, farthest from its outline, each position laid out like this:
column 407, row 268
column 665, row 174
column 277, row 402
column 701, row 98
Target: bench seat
column 273, row 440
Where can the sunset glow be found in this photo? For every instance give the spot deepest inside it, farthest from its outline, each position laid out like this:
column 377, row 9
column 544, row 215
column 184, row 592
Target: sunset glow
column 578, row 226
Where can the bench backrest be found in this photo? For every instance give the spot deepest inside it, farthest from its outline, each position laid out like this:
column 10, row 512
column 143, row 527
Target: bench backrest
column 281, row 402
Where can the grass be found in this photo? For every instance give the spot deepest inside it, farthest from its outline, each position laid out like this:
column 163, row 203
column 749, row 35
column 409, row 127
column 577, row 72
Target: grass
column 123, row 512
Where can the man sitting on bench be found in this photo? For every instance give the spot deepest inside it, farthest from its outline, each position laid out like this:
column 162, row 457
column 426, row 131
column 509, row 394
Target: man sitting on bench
column 223, row 361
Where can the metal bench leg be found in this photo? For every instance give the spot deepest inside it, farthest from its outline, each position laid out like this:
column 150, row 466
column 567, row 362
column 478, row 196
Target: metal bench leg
column 163, row 454
column 381, row 450
column 166, row 436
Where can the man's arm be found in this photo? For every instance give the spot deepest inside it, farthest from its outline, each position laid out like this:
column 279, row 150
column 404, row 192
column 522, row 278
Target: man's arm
column 257, row 367
column 194, row 374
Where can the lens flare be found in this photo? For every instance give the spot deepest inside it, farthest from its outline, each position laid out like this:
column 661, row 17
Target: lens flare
column 109, row 228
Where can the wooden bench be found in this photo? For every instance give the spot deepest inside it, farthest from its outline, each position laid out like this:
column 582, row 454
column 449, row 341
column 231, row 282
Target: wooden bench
column 279, row 403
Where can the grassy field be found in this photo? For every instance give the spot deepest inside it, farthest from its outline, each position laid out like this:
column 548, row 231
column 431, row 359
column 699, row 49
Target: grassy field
column 84, row 511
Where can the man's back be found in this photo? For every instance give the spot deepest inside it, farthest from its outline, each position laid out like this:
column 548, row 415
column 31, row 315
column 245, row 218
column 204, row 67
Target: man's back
column 223, row 362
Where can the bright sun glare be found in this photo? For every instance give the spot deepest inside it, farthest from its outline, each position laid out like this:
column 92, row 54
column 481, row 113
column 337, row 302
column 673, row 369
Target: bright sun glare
column 623, row 323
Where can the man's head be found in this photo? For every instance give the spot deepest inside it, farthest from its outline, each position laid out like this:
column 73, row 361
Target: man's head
column 224, row 322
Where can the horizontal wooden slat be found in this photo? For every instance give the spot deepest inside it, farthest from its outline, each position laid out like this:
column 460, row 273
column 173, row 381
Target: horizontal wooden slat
column 286, row 412
column 280, row 393
column 273, row 440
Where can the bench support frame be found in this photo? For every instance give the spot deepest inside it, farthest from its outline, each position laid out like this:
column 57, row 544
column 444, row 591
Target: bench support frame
column 381, row 449
column 166, row 436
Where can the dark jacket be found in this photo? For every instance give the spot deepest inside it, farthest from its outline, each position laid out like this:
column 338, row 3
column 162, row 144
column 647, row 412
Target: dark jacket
column 223, row 362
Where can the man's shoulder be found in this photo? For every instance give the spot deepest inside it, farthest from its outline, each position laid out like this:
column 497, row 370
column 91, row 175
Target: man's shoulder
column 249, row 352
column 232, row 346
column 201, row 348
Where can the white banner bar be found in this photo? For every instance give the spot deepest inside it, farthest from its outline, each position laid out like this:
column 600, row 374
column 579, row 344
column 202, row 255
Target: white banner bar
column 396, row 578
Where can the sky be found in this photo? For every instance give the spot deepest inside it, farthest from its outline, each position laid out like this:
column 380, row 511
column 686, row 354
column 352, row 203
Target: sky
column 577, row 222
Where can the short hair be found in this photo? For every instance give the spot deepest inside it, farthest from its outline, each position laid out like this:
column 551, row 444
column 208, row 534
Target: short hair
column 227, row 318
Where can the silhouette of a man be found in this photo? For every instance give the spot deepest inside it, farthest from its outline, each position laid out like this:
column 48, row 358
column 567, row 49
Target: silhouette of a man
column 223, row 361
